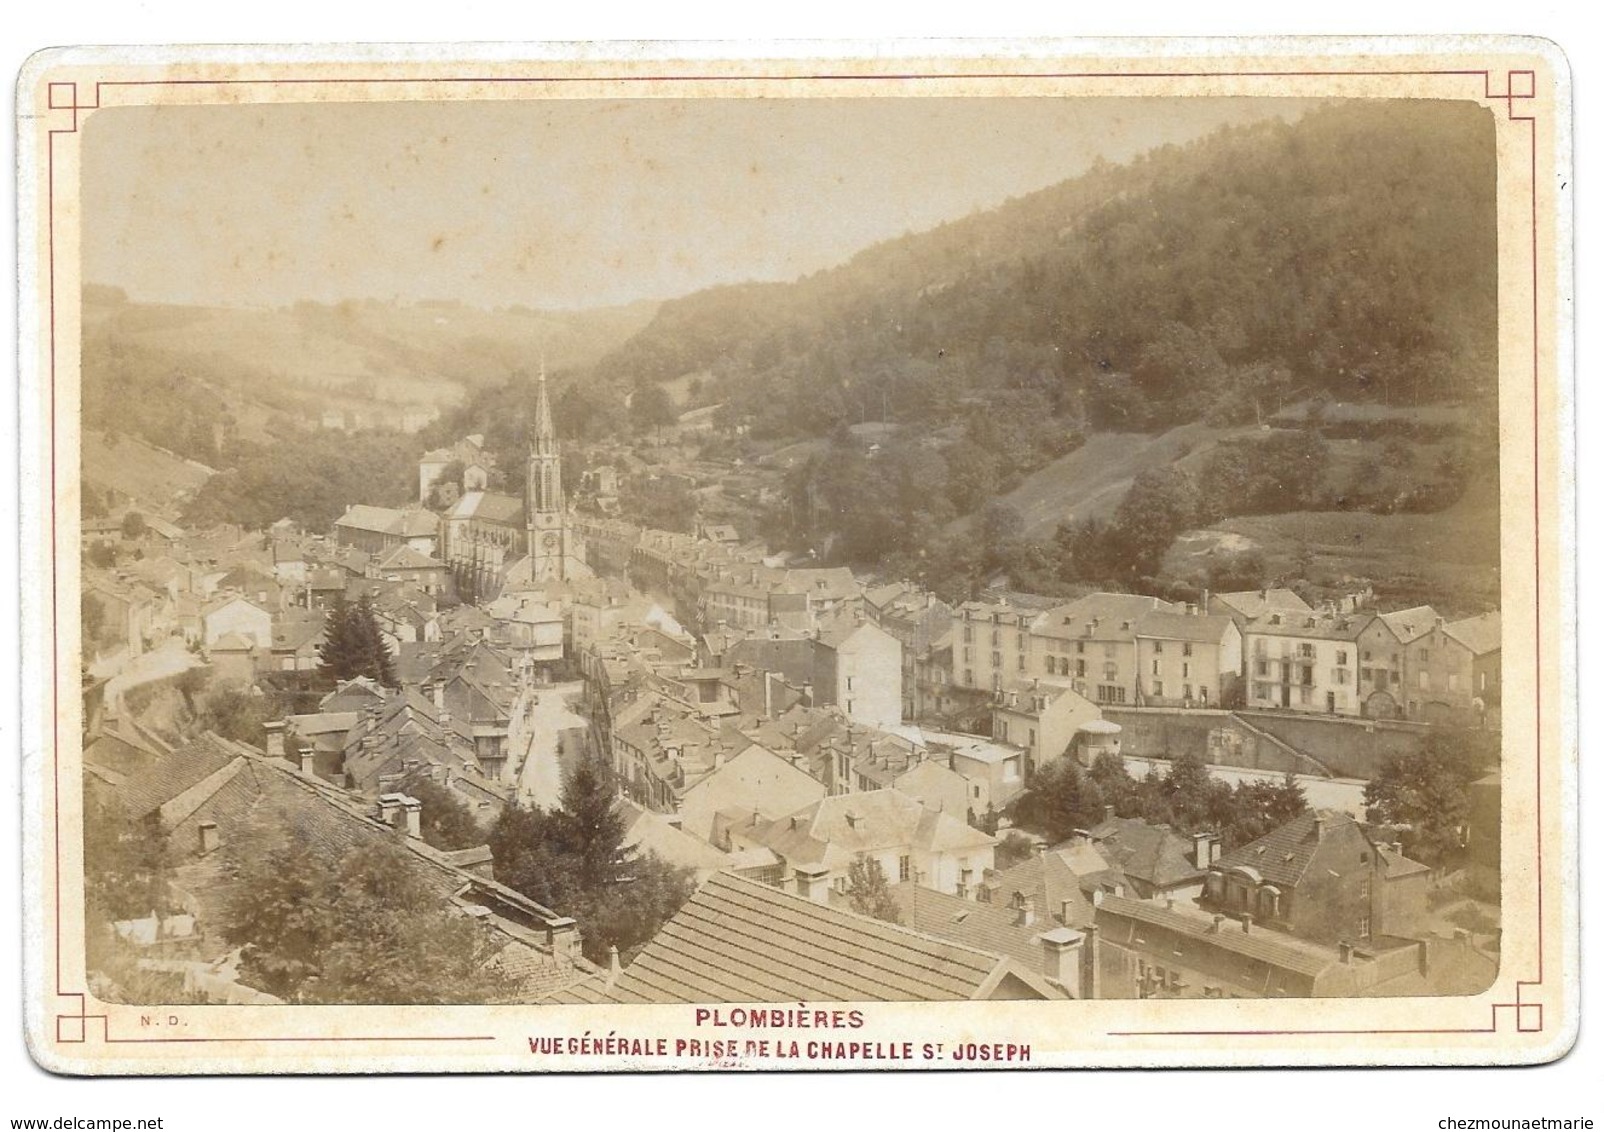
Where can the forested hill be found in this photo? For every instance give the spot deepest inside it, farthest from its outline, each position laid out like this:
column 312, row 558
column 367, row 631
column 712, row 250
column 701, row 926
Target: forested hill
column 1350, row 253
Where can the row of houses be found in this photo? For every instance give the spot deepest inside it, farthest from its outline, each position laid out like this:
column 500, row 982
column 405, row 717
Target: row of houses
column 1259, row 649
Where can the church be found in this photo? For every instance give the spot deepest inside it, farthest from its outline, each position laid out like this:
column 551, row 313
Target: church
column 496, row 543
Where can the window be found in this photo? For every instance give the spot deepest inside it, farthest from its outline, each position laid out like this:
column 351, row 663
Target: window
column 1367, row 654
column 1155, row 668
column 1032, row 741
column 1158, row 687
column 1425, row 680
column 1158, row 646
column 1342, row 656
column 849, row 683
column 1186, row 648
column 1186, row 670
column 1261, row 668
column 1364, row 888
column 1080, row 669
column 1080, row 646
column 1364, row 926
column 1425, row 656
column 1108, row 648
column 1203, row 692
column 904, row 868
column 996, row 660
column 1021, row 662
column 969, row 633
column 1186, row 691
column 1306, row 651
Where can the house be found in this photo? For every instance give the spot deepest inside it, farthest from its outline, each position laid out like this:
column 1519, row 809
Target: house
column 910, row 843
column 1057, row 885
column 994, row 772
column 234, row 614
column 1321, row 877
column 1305, row 661
column 647, row 831
column 1040, row 716
column 1440, row 680
column 380, row 530
column 756, row 781
column 529, row 625
column 235, row 659
column 1167, row 950
column 1483, row 635
column 1187, row 659
column 1067, row 958
column 1154, row 859
column 738, row 940
column 213, row 794
column 859, row 668
column 1249, row 605
column 409, row 565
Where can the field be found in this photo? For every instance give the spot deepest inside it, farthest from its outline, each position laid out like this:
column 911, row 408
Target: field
column 149, row 474
column 1448, row 558
column 1090, row 481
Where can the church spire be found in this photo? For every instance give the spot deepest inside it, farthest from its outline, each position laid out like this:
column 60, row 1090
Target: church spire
column 545, row 438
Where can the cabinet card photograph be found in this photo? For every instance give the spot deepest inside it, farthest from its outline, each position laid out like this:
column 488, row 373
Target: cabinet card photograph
column 753, row 557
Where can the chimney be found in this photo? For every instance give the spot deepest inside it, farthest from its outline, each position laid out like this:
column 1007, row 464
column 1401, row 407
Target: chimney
column 1204, row 604
column 1061, row 955
column 273, row 738
column 562, row 936
column 390, row 807
column 1091, row 973
column 1202, row 849
column 813, row 883
column 308, row 759
column 1218, row 926
column 1345, row 951
column 414, row 812
column 612, row 964
column 1108, row 813
column 1319, row 826
column 1247, row 923
column 208, row 837
column 1025, row 913
column 1066, row 911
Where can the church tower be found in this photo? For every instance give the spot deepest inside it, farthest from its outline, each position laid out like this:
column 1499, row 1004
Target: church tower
column 550, row 541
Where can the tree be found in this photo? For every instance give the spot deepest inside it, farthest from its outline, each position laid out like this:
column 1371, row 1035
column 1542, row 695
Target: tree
column 101, row 553
column 651, row 407
column 1060, row 799
column 1427, row 795
column 362, row 928
column 133, row 525
column 237, row 714
column 125, row 863
column 574, row 859
column 868, row 891
column 353, row 646
column 447, row 823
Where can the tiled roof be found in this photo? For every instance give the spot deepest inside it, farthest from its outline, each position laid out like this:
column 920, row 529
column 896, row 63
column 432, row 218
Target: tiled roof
column 362, row 517
column 1314, row 626
column 835, row 829
column 171, row 776
column 1410, row 624
column 1251, row 603
column 489, row 507
column 1204, row 629
column 741, row 941
column 1098, row 616
column 1283, row 855
column 1265, row 946
column 989, row 927
column 1154, row 854
column 1481, row 634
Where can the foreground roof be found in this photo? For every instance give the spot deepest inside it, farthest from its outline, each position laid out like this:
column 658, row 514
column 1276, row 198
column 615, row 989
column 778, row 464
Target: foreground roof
column 738, row 940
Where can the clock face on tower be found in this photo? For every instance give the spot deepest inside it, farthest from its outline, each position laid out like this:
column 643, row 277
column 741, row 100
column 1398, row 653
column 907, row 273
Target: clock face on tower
column 550, row 541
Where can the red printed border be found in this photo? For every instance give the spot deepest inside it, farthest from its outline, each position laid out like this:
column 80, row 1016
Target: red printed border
column 72, row 1026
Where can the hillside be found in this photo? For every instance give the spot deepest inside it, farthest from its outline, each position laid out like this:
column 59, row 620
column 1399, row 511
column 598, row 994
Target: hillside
column 1351, row 253
column 131, row 467
column 374, row 363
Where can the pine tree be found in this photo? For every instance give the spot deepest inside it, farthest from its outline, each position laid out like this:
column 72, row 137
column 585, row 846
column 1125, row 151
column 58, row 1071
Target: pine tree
column 353, row 646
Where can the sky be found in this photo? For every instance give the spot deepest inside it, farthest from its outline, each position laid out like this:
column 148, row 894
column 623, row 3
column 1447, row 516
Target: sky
column 567, row 204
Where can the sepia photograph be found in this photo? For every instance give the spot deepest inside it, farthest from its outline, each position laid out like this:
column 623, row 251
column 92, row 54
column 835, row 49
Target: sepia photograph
column 782, row 553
